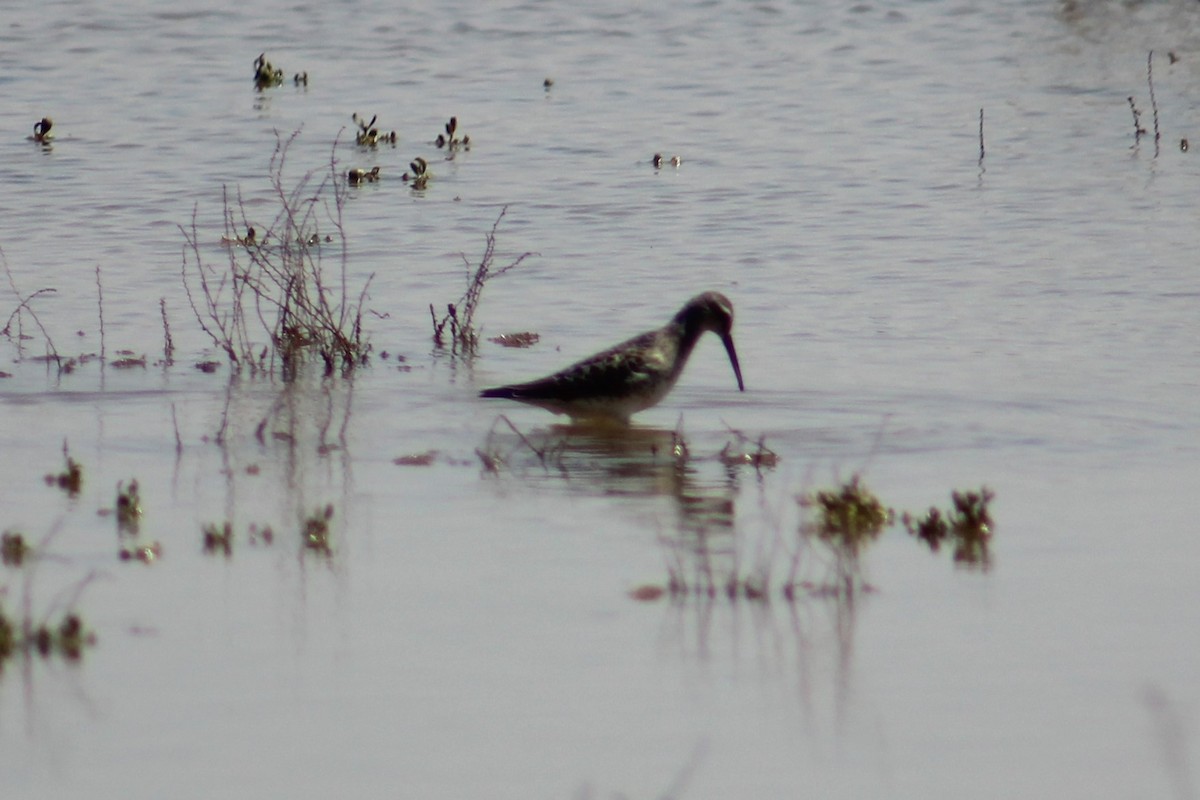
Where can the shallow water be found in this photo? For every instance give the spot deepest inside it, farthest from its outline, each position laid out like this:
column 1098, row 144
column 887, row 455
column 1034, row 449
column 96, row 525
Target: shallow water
column 904, row 310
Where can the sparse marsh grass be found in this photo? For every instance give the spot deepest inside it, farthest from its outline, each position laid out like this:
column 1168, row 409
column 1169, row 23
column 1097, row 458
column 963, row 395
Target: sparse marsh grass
column 275, row 302
column 458, row 323
column 15, row 325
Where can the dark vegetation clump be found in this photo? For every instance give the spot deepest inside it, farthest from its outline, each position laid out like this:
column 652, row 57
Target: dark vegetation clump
column 370, row 136
column 13, row 549
column 966, row 526
column 267, row 75
column 316, row 531
column 70, row 480
column 67, row 638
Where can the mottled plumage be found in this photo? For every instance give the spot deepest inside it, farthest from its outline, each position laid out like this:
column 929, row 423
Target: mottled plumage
column 636, row 373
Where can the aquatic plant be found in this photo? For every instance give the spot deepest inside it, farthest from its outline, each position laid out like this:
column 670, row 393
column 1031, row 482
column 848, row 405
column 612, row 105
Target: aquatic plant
column 316, row 530
column 70, row 479
column 420, row 173
column 218, row 539
column 460, row 316
column 967, row 525
column 368, row 135
column 67, row 639
column 13, row 548
column 24, row 634
column 281, row 280
column 359, row 175
column 267, row 74
column 129, row 507
column 845, row 521
column 450, row 140
column 41, row 131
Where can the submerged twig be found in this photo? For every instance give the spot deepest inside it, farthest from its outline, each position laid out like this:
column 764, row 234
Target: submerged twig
column 24, row 305
column 981, row 151
column 1153, row 102
column 100, row 304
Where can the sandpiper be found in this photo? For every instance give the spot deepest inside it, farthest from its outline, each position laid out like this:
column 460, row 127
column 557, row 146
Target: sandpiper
column 635, row 374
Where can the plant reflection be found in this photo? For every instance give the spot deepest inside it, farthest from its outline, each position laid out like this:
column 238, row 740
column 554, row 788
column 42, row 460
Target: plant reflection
column 794, row 580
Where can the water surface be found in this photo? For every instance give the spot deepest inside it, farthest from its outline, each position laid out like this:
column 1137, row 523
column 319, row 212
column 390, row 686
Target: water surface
column 905, row 310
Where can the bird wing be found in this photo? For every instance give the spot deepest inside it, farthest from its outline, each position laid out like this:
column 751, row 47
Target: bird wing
column 622, row 370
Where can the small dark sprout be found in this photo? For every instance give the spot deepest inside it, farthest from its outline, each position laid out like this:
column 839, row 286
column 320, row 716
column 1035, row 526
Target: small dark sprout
column 316, row 530
column 448, row 139
column 43, row 641
column 13, row 549
column 368, row 135
column 218, row 540
column 129, row 506
column 70, row 479
column 8, row 636
column 41, row 130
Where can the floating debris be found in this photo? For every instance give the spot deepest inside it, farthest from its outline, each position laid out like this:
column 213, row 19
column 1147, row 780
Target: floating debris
column 129, row 362
column 524, row 339
column 416, row 460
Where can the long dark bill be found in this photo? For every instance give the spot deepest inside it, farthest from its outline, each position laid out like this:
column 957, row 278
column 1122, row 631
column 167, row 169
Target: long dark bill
column 727, row 340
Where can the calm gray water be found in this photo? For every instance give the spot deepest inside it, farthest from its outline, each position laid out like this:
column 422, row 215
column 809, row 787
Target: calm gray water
column 905, row 310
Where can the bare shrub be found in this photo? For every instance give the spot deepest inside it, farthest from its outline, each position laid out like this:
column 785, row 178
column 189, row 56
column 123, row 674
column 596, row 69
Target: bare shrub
column 275, row 303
